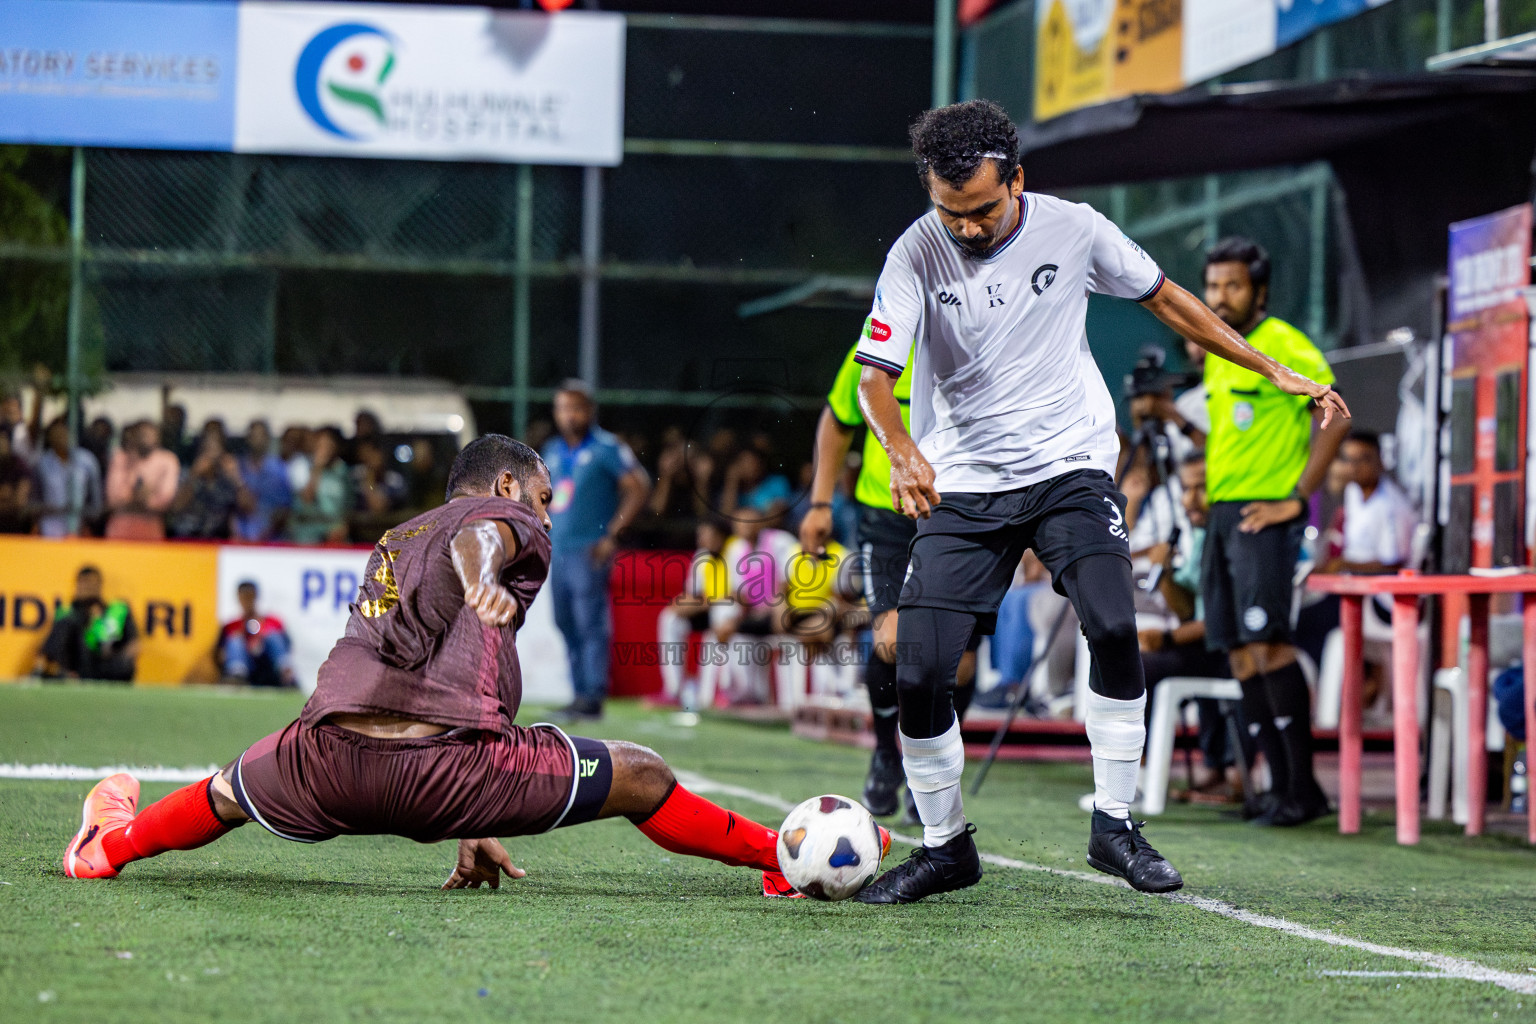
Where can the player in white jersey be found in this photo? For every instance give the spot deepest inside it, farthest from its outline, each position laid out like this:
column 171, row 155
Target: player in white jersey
column 1013, row 445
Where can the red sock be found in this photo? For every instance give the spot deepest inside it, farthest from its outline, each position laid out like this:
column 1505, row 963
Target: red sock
column 688, row 824
column 182, row 821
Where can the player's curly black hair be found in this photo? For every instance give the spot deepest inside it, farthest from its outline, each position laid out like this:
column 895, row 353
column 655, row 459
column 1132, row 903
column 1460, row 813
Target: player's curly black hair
column 488, row 456
column 952, row 141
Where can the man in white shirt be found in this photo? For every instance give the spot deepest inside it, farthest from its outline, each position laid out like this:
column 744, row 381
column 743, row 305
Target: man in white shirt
column 1012, row 446
column 1378, row 518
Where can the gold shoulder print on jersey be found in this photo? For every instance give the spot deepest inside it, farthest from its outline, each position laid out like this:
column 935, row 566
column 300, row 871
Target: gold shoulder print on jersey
column 417, row 531
column 385, row 574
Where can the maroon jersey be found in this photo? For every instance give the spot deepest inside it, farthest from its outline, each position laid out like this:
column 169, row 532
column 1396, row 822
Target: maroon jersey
column 412, row 647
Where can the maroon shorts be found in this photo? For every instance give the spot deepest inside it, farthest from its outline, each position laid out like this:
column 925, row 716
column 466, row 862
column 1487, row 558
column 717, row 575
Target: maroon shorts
column 312, row 783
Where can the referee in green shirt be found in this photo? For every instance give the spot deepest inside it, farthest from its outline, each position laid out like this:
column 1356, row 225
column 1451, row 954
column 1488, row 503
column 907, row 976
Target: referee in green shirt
column 1263, row 461
column 884, row 537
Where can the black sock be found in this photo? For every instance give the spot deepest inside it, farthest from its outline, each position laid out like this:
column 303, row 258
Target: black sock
column 880, row 677
column 1259, row 720
column 1292, row 705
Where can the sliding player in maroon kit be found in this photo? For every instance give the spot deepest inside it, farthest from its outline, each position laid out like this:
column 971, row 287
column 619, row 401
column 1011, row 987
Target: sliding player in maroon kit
column 410, row 731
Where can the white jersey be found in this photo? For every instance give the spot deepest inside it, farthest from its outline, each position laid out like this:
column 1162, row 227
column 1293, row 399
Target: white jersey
column 1004, row 390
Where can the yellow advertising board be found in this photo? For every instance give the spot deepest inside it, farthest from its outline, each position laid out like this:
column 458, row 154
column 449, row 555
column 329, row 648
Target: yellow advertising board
column 1090, row 51
column 170, row 588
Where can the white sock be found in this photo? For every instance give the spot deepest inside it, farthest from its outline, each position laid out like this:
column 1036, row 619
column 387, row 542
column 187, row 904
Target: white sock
column 672, row 633
column 1117, row 734
column 933, row 766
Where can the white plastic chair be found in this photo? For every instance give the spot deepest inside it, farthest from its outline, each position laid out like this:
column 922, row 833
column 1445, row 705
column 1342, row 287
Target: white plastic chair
column 1167, row 697
column 1448, row 743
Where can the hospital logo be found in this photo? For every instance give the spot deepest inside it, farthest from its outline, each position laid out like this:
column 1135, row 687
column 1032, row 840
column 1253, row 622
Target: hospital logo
column 340, row 78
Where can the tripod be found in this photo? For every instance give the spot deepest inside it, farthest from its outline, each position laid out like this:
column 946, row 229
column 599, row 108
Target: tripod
column 1151, row 438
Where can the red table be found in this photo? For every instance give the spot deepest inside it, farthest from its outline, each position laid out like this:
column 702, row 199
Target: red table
column 1406, row 588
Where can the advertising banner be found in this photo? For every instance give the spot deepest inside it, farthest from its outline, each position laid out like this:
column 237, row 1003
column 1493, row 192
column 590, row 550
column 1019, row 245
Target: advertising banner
column 169, row 589
column 118, row 73
column 1091, row 51
column 432, row 83
column 1489, row 330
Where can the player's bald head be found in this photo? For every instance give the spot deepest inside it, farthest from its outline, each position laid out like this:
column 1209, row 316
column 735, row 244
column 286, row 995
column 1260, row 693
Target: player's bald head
column 482, row 462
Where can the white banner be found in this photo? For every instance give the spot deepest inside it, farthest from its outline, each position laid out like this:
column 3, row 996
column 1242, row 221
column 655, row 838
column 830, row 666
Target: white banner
column 310, row 590
column 430, row 83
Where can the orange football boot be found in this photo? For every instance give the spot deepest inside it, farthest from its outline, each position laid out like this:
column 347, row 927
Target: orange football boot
column 775, row 884
column 111, row 804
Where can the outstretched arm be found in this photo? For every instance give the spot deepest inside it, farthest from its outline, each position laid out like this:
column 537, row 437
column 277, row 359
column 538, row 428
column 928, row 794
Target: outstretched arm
column 912, row 490
column 480, row 551
column 1192, row 319
column 833, row 439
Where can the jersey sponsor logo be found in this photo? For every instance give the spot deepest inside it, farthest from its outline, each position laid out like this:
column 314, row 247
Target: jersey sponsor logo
column 1242, row 415
column 1076, row 458
column 880, row 300
column 1135, row 248
column 949, row 299
column 588, row 767
column 994, row 295
column 1043, row 277
column 876, row 331
column 1116, row 520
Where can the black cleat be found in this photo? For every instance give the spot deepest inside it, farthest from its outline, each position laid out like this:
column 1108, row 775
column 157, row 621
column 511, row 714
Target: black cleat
column 1116, row 847
column 955, row 865
column 883, row 783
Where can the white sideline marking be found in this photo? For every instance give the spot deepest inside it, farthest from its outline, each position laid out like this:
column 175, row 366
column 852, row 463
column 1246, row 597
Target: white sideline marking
column 1445, row 966
column 1451, row 967
column 77, row 773
column 1386, row 974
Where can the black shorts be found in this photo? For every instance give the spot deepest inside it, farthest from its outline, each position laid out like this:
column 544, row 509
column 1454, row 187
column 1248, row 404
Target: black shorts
column 965, row 554
column 885, row 540
column 1248, row 579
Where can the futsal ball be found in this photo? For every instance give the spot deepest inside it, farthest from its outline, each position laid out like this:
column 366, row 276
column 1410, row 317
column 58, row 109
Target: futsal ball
column 829, row 847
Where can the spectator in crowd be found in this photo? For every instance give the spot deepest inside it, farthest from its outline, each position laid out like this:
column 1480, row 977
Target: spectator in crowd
column 321, row 503
column 254, row 649
column 1189, row 413
column 97, row 439
column 427, row 477
column 141, row 484
column 1263, row 462
column 293, row 448
column 677, row 501
column 15, row 488
column 211, row 492
column 749, row 484
column 599, row 489
column 26, row 434
column 68, row 484
column 12, row 423
column 173, row 429
column 265, row 478
column 1181, row 651
column 380, row 488
column 1379, row 520
column 365, row 427
column 1154, row 503
column 92, row 639
column 707, row 585
column 757, row 561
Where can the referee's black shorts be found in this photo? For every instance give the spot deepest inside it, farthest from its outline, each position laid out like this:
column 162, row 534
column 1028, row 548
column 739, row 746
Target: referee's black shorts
column 1247, row 580
column 885, row 538
column 965, row 554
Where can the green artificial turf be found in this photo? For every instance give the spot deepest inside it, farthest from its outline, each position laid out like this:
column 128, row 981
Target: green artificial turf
column 608, row 926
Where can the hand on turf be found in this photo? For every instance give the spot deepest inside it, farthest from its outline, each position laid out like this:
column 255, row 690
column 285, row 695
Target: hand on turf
column 1259, row 514
column 492, row 602
column 481, row 860
column 912, row 490
column 1327, row 399
column 815, row 528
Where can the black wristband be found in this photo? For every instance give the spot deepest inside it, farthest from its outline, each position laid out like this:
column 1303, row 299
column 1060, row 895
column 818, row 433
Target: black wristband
column 820, row 504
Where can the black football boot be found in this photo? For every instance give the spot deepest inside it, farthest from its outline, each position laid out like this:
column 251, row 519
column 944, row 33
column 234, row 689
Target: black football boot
column 928, row 870
column 1116, row 847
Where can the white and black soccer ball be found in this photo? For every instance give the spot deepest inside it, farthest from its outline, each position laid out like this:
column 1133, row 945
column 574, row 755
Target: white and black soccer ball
column 829, row 847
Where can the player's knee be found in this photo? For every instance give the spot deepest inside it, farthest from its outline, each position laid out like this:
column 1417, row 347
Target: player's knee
column 642, row 769
column 1110, row 627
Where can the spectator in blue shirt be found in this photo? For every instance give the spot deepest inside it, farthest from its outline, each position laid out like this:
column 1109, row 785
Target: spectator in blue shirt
column 599, row 489
column 266, row 481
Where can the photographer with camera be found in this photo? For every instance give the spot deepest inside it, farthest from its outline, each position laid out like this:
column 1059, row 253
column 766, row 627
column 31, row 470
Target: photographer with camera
column 1162, row 438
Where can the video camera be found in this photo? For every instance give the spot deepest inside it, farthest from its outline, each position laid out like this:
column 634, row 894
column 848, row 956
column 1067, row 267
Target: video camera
column 1148, row 376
